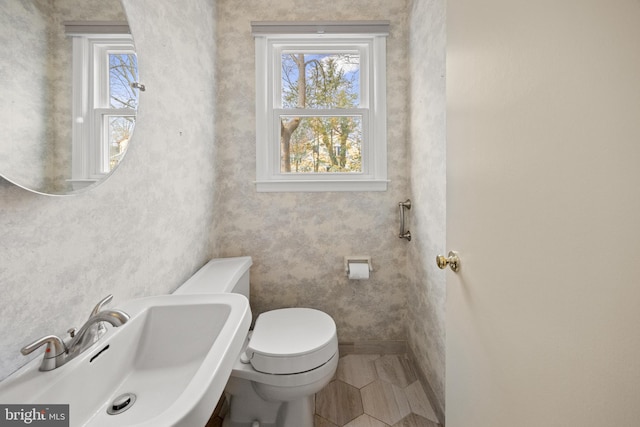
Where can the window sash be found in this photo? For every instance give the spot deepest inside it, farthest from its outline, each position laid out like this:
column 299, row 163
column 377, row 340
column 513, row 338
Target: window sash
column 363, row 49
column 100, row 150
column 366, row 149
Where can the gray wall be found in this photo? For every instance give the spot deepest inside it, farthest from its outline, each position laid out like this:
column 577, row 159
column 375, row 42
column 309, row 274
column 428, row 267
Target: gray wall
column 298, row 240
column 148, row 227
column 23, row 83
column 427, row 293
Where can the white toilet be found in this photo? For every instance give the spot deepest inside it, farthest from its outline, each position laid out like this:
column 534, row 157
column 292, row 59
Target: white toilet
column 290, row 355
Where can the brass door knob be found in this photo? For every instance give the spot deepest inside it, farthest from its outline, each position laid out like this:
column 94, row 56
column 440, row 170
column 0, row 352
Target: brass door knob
column 453, row 261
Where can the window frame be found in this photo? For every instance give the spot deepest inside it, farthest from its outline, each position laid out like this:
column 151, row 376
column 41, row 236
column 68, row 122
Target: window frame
column 366, row 37
column 91, row 107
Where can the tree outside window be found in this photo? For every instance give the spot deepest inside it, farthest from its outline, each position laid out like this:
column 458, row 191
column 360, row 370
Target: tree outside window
column 321, row 143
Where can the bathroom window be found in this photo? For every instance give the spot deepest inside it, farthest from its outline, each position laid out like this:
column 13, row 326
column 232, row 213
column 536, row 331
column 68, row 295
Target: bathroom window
column 104, row 103
column 321, row 106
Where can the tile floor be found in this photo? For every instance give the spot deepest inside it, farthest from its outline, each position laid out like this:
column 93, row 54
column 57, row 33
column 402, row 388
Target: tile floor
column 369, row 391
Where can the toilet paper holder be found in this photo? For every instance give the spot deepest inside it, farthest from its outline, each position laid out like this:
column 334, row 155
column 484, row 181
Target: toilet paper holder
column 358, row 260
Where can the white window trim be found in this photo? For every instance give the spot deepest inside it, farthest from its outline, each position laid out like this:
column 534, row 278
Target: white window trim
column 369, row 37
column 90, row 153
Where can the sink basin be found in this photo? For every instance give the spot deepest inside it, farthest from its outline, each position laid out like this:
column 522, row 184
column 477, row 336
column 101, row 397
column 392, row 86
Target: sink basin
column 175, row 354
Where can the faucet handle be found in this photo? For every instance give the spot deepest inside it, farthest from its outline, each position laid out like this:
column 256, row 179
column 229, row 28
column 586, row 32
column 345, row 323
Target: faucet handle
column 54, row 354
column 54, row 345
column 106, row 300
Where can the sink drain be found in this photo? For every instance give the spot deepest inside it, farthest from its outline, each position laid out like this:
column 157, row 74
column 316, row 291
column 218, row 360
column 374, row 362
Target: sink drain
column 121, row 403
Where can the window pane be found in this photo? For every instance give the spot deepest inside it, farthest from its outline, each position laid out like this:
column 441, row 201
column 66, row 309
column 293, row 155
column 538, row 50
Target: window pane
column 123, row 71
column 119, row 132
column 330, row 80
column 321, row 144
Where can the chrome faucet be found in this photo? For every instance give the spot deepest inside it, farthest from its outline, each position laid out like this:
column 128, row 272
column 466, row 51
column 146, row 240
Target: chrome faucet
column 58, row 352
column 78, row 342
column 95, row 329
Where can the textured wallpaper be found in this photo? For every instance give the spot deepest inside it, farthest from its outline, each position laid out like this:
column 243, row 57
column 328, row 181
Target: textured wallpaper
column 298, row 240
column 22, row 79
column 426, row 304
column 148, row 227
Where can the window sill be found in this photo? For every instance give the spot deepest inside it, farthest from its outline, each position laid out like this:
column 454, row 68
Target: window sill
column 320, row 185
column 81, row 183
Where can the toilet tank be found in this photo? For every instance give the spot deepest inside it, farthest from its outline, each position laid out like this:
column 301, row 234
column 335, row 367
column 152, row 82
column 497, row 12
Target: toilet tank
column 220, row 275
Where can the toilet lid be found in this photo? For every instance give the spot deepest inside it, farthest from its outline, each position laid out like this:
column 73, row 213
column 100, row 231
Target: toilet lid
column 291, row 340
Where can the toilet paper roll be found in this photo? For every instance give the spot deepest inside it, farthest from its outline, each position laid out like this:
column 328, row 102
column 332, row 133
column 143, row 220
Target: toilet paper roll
column 358, row 270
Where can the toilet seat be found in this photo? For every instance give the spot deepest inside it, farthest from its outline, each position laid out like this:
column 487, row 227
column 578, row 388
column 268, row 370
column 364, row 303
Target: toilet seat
column 291, row 340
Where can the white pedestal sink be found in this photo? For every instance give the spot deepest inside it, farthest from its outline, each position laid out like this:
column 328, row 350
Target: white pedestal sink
column 175, row 355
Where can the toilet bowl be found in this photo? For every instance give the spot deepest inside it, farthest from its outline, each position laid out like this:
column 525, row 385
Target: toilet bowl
column 290, row 354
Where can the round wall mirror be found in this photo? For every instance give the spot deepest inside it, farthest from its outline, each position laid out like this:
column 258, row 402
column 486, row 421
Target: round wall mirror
column 69, row 82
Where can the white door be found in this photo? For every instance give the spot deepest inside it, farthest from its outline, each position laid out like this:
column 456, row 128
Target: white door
column 543, row 205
